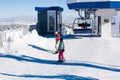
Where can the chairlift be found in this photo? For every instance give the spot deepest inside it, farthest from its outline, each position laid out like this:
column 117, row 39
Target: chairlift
column 84, row 24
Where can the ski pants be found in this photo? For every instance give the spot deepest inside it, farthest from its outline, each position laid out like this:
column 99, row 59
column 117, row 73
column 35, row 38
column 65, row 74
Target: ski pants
column 61, row 55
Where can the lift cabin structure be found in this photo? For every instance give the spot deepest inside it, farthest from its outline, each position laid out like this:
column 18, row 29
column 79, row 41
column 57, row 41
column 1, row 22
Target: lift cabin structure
column 49, row 20
column 95, row 16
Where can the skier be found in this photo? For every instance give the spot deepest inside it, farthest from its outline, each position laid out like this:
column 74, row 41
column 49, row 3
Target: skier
column 61, row 50
column 57, row 39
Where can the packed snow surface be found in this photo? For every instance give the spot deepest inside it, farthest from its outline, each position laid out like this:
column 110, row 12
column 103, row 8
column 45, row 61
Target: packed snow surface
column 87, row 58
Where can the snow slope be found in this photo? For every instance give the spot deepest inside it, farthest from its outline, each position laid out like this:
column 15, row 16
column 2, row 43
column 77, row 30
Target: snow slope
column 87, row 58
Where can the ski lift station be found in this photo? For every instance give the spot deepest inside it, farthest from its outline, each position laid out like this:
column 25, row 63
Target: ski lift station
column 49, row 20
column 97, row 17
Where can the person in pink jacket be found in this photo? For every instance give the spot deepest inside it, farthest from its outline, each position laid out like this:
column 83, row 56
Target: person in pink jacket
column 57, row 39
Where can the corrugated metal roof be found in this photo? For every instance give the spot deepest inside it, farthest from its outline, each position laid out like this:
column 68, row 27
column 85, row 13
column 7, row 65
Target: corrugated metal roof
column 73, row 1
column 95, row 5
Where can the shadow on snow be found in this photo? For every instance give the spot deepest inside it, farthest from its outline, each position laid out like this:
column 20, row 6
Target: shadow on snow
column 74, row 36
column 65, row 77
column 53, row 62
column 70, row 36
column 40, row 48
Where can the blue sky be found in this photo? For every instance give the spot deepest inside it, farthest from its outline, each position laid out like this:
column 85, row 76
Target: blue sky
column 11, row 8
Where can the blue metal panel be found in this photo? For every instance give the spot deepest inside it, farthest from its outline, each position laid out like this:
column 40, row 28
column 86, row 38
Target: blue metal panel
column 115, row 4
column 48, row 8
column 105, row 4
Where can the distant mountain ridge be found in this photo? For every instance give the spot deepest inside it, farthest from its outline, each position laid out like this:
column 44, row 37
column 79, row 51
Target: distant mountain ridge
column 20, row 19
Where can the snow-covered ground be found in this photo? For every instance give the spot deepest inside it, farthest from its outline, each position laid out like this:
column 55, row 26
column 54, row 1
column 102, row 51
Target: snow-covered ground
column 87, row 58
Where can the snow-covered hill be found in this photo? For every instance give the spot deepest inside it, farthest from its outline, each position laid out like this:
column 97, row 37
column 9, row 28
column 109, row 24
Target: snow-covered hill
column 87, row 58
